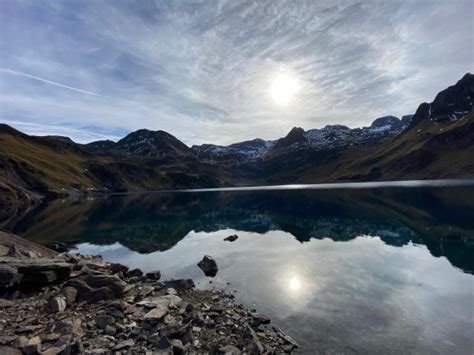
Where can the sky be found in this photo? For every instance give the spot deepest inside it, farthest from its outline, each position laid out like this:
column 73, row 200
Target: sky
column 227, row 70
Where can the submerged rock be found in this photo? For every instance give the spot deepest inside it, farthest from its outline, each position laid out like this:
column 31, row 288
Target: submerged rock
column 208, row 265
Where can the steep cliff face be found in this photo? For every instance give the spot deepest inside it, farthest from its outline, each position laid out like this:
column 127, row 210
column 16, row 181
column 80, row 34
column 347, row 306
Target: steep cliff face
column 450, row 104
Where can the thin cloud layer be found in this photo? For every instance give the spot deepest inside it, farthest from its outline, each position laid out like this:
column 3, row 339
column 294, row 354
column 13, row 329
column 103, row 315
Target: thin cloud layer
column 202, row 70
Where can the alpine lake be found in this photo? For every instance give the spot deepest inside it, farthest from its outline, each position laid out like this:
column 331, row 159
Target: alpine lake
column 382, row 268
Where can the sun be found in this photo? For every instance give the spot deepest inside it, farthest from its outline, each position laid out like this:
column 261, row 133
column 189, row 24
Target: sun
column 295, row 283
column 283, row 88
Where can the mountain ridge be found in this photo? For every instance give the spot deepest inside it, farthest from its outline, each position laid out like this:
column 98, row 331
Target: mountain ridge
column 433, row 143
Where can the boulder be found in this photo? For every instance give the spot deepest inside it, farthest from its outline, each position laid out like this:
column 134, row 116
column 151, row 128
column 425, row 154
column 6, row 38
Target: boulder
column 135, row 273
column 98, row 287
column 32, row 273
column 231, row 238
column 116, row 268
column 208, row 265
column 154, row 275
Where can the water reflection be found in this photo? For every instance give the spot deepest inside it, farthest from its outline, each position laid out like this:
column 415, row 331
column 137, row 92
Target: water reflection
column 440, row 218
column 352, row 271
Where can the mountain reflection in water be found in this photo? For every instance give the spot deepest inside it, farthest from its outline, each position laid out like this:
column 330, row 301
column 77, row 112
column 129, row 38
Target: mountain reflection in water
column 438, row 217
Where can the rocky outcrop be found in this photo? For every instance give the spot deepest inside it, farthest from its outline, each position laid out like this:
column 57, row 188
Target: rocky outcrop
column 33, row 272
column 100, row 308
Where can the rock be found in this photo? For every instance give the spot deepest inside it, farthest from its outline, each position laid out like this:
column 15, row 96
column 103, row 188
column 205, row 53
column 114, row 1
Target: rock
column 5, row 303
column 9, row 276
column 109, row 330
column 20, row 342
column 155, row 315
column 57, row 304
column 33, row 347
column 229, row 350
column 104, row 320
column 14, row 252
column 123, row 345
column 178, row 347
column 231, row 238
column 163, row 302
column 32, row 273
column 163, row 343
column 135, row 273
column 58, row 246
column 115, row 268
column 259, row 319
column 98, row 287
column 70, row 293
column 208, row 265
column 255, row 346
column 154, row 275
column 6, row 350
column 181, row 284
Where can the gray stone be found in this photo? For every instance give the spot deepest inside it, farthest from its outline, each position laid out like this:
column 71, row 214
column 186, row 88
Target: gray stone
column 229, row 350
column 110, row 330
column 57, row 304
column 103, row 320
column 32, row 272
column 155, row 315
column 154, row 275
column 124, row 344
column 163, row 343
column 115, row 268
column 70, row 293
column 178, row 347
column 135, row 273
column 33, row 347
column 5, row 303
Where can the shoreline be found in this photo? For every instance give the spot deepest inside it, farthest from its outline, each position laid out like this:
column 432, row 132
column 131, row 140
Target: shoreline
column 71, row 304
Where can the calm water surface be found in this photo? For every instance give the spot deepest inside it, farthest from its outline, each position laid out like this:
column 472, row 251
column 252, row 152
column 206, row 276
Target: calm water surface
column 365, row 269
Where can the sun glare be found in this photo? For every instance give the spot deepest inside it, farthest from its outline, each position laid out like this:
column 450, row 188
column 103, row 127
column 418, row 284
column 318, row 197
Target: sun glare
column 295, row 283
column 284, row 86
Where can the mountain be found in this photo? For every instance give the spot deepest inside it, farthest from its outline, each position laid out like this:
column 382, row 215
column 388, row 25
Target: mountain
column 450, row 104
column 325, row 139
column 436, row 142
column 142, row 144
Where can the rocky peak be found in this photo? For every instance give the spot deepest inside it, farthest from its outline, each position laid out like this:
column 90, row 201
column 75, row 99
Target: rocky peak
column 296, row 135
column 450, row 104
column 385, row 121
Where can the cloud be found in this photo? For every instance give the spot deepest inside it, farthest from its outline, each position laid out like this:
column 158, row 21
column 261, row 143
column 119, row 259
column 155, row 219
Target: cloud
column 203, row 70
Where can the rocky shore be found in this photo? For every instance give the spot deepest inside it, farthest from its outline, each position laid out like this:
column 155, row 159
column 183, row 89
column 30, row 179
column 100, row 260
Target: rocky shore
column 71, row 304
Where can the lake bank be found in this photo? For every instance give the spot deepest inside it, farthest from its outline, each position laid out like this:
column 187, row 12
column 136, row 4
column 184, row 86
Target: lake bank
column 74, row 304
